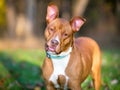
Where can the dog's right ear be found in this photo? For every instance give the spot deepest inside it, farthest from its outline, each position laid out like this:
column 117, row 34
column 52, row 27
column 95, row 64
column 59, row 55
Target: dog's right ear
column 76, row 23
column 52, row 12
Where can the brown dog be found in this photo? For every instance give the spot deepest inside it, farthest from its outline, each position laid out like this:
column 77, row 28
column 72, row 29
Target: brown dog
column 69, row 61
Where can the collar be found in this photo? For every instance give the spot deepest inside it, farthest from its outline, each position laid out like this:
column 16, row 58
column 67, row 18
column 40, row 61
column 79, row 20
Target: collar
column 59, row 56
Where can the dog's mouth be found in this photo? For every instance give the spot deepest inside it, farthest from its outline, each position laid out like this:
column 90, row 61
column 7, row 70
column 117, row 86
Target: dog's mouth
column 50, row 48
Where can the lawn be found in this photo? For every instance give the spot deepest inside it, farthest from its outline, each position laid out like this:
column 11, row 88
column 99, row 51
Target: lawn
column 20, row 70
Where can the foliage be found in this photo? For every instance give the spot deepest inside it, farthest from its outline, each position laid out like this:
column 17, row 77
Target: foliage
column 20, row 70
column 2, row 13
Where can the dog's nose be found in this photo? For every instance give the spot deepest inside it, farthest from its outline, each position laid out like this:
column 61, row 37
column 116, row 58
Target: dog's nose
column 54, row 42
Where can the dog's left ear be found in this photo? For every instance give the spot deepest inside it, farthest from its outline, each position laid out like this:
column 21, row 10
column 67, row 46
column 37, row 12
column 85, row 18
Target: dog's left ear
column 52, row 12
column 76, row 23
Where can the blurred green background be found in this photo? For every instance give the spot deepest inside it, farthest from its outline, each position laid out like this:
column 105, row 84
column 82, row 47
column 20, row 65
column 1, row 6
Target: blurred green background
column 22, row 24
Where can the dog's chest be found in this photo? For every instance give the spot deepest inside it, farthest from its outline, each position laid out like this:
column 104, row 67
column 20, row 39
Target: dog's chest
column 59, row 65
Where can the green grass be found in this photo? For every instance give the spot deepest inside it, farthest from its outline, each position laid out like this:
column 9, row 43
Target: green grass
column 20, row 70
column 110, row 71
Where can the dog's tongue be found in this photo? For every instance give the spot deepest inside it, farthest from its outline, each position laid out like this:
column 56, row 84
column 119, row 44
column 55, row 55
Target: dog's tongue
column 51, row 49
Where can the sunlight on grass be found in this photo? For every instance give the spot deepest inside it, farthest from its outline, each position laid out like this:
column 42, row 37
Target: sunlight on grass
column 32, row 56
column 3, row 70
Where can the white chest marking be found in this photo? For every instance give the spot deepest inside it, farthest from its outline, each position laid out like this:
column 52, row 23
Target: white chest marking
column 59, row 65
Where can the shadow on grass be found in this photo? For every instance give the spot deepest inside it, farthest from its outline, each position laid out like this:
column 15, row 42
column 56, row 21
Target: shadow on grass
column 19, row 75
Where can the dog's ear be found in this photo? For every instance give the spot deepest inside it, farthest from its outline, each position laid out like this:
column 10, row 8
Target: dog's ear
column 76, row 23
column 52, row 12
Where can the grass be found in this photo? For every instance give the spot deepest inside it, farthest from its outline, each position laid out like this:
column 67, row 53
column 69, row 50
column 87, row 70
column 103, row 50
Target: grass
column 20, row 70
column 110, row 71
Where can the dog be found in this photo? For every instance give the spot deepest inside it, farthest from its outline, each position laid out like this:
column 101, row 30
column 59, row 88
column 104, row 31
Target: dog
column 68, row 60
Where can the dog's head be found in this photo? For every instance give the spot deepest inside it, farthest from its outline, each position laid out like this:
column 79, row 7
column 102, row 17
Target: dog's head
column 59, row 32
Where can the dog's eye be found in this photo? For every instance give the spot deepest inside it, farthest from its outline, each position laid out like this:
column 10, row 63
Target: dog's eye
column 51, row 29
column 65, row 34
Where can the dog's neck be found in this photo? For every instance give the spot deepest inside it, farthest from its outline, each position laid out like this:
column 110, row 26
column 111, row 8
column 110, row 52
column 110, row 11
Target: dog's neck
column 59, row 56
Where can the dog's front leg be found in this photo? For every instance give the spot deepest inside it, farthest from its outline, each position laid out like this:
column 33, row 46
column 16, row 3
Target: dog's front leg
column 50, row 86
column 74, row 86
